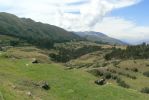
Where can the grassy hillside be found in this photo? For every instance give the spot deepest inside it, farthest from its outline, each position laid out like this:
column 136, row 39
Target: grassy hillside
column 43, row 35
column 17, row 78
column 130, row 71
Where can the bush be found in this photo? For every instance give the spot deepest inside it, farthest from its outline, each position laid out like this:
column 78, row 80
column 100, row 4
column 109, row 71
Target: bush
column 134, row 69
column 147, row 65
column 96, row 72
column 131, row 52
column 145, row 90
column 134, row 61
column 104, row 64
column 107, row 75
column 115, row 63
column 111, row 70
column 130, row 76
column 127, row 75
column 114, row 77
column 126, row 68
column 122, row 83
column 146, row 73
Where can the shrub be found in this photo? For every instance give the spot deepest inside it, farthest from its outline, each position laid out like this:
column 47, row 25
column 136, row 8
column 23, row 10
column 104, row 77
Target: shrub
column 146, row 73
column 147, row 65
column 134, row 69
column 122, row 83
column 127, row 75
column 111, row 70
column 96, row 72
column 107, row 75
column 130, row 76
column 104, row 64
column 134, row 61
column 126, row 68
column 115, row 63
column 131, row 52
column 114, row 77
column 145, row 90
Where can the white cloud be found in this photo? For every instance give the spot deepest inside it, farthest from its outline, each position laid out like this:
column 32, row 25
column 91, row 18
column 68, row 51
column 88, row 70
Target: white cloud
column 90, row 15
column 123, row 29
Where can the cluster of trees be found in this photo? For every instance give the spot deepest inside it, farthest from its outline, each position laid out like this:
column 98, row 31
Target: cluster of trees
column 145, row 90
column 66, row 54
column 16, row 42
column 131, row 52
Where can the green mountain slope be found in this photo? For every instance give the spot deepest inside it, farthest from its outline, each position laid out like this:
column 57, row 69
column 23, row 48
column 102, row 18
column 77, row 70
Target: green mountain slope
column 34, row 32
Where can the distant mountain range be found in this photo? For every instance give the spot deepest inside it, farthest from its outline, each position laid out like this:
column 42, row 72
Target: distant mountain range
column 45, row 35
column 99, row 37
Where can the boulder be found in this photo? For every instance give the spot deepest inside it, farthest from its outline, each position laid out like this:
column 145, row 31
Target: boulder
column 29, row 93
column 100, row 82
column 34, row 61
column 44, row 85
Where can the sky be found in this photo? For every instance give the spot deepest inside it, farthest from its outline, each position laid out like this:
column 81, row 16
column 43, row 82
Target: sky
column 126, row 20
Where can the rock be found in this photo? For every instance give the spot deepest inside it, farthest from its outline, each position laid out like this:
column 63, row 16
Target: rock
column 14, row 87
column 44, row 85
column 100, row 82
column 27, row 64
column 34, row 61
column 29, row 93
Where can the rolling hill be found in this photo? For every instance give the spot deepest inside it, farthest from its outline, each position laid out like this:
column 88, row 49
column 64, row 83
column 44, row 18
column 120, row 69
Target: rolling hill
column 18, row 79
column 70, row 69
column 99, row 37
column 37, row 33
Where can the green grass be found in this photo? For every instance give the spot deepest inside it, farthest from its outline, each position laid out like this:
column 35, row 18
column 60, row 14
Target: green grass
column 65, row 84
column 120, row 66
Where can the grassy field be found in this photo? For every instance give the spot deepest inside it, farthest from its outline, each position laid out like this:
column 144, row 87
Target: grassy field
column 124, row 69
column 16, row 81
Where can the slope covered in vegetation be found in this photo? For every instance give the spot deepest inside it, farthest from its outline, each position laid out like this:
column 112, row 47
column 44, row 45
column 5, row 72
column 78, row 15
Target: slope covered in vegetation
column 37, row 33
column 18, row 82
column 131, row 52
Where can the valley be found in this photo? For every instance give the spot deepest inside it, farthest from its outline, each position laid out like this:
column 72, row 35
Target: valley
column 44, row 62
column 18, row 74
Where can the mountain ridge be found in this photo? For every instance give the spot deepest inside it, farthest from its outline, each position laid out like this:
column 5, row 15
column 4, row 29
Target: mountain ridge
column 34, row 32
column 99, row 37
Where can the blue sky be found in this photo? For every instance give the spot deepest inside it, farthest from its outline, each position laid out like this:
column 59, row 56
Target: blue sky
column 126, row 20
column 139, row 13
